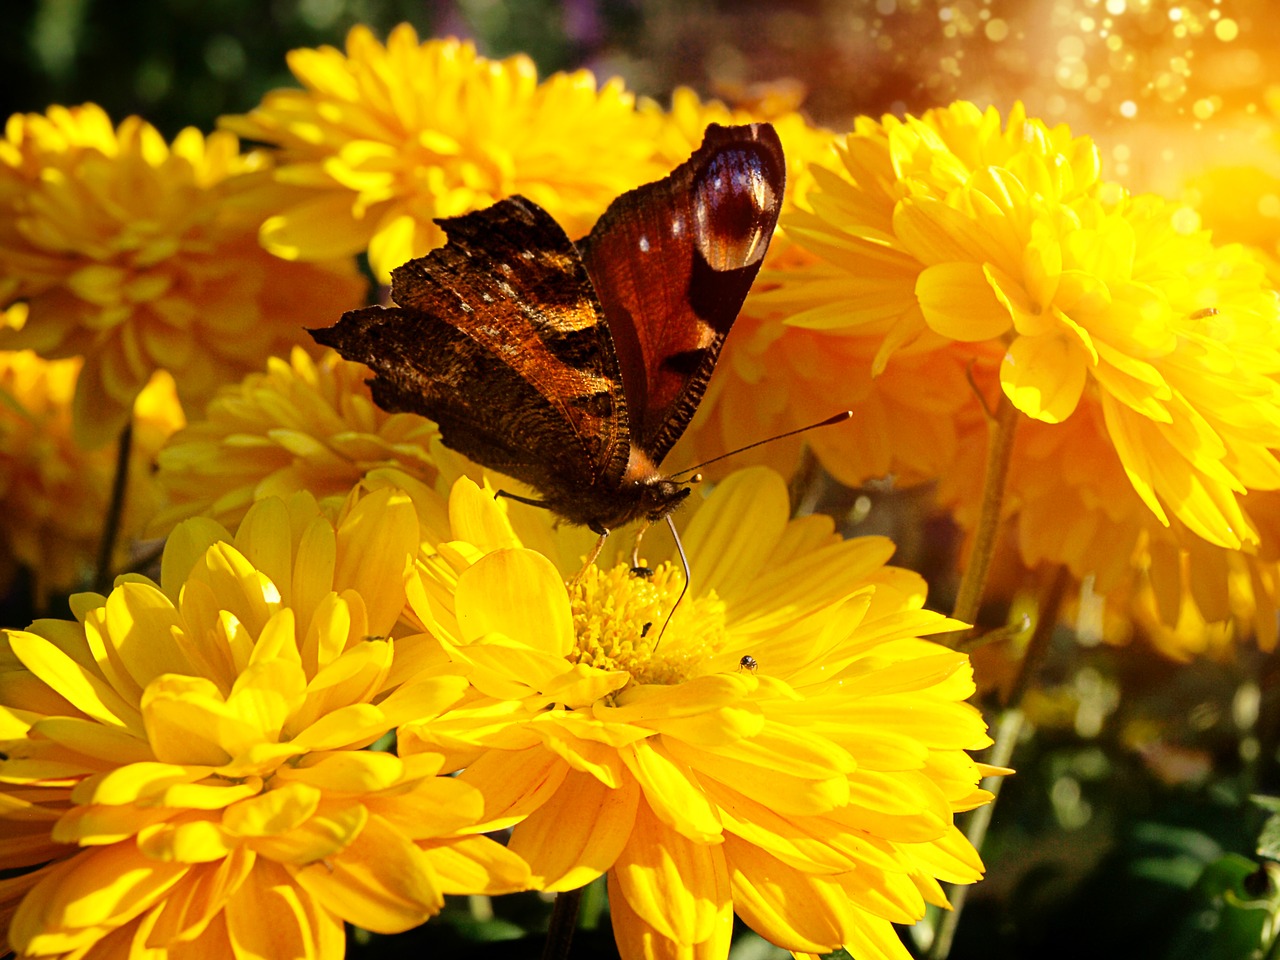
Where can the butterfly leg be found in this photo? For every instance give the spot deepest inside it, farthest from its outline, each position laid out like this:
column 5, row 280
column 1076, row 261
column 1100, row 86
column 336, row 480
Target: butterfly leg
column 519, row 499
column 591, row 557
column 635, row 548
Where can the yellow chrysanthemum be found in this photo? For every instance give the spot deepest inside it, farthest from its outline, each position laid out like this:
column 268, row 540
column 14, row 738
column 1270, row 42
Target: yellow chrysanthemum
column 54, row 493
column 384, row 139
column 140, row 256
column 185, row 765
column 302, row 425
column 1191, row 599
column 1113, row 314
column 786, row 747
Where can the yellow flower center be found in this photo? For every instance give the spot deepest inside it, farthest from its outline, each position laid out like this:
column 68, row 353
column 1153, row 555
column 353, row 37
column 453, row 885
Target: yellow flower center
column 620, row 619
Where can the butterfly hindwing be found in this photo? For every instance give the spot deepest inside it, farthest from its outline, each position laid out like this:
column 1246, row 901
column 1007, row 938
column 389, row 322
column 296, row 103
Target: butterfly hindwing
column 498, row 337
column 671, row 263
column 574, row 368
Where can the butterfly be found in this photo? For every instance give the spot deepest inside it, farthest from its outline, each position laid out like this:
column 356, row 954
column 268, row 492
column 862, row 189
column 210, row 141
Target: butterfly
column 574, row 367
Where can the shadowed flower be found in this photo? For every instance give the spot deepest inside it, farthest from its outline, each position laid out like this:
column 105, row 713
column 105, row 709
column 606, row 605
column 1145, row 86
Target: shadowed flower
column 1110, row 318
column 54, row 493
column 139, row 256
column 302, row 425
column 383, row 139
column 810, row 788
column 186, row 766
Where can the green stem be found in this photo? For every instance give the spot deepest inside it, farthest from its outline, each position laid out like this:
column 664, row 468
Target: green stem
column 115, row 510
column 1008, row 730
column 999, row 451
column 564, row 920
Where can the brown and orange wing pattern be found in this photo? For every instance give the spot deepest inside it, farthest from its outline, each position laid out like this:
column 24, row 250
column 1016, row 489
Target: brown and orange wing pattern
column 498, row 338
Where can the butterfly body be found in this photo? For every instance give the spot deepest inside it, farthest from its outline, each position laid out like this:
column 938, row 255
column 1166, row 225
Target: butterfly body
column 575, row 367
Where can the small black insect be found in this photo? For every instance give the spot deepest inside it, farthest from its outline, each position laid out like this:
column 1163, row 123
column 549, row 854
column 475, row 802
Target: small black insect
column 748, row 662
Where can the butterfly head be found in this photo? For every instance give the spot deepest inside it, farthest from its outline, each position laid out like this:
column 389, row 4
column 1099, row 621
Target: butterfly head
column 662, row 495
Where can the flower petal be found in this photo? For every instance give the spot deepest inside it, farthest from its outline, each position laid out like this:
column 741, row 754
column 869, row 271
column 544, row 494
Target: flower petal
column 381, row 882
column 959, row 303
column 517, row 593
column 678, row 887
column 579, row 833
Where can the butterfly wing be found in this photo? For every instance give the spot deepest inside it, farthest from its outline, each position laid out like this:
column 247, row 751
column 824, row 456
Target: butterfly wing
column 498, row 338
column 672, row 262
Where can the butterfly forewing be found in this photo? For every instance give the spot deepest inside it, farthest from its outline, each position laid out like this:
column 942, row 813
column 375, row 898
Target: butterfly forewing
column 498, row 338
column 575, row 368
column 671, row 263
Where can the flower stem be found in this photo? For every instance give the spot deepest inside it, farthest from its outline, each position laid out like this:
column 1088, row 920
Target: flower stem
column 115, row 509
column 564, row 920
column 999, row 451
column 1008, row 730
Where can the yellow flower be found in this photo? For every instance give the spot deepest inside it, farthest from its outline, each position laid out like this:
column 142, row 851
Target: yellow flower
column 786, row 747
column 386, row 138
column 1111, row 318
column 1191, row 599
column 54, row 493
column 186, row 765
column 140, row 256
column 302, row 425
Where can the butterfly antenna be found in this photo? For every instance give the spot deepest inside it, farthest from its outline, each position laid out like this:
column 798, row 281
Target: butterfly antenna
column 684, row 562
column 840, row 417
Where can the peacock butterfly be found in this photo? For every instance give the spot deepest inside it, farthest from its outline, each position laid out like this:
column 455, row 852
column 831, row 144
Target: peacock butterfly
column 575, row 367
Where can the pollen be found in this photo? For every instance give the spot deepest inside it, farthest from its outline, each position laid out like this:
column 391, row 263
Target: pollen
column 620, row 620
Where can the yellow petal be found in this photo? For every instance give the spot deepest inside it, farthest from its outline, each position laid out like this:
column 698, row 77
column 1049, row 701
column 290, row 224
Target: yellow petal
column 514, row 783
column 723, row 551
column 273, row 812
column 787, row 793
column 793, row 909
column 102, row 887
column 678, row 887
column 1044, row 376
column 187, row 721
column 184, row 548
column 638, row 938
column 959, row 303
column 187, row 840
column 476, row 517
column 381, row 881
column 139, row 619
column 87, row 692
column 269, row 916
column 187, row 911
column 376, row 542
column 579, row 833
column 476, row 865
column 517, row 593
column 323, row 836
column 672, row 791
column 307, row 230
column 346, row 771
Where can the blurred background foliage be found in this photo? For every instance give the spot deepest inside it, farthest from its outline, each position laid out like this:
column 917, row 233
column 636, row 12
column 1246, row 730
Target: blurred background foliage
column 1130, row 831
column 184, row 62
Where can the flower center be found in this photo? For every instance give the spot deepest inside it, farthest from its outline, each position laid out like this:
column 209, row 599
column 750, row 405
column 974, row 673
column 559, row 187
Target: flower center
column 619, row 618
